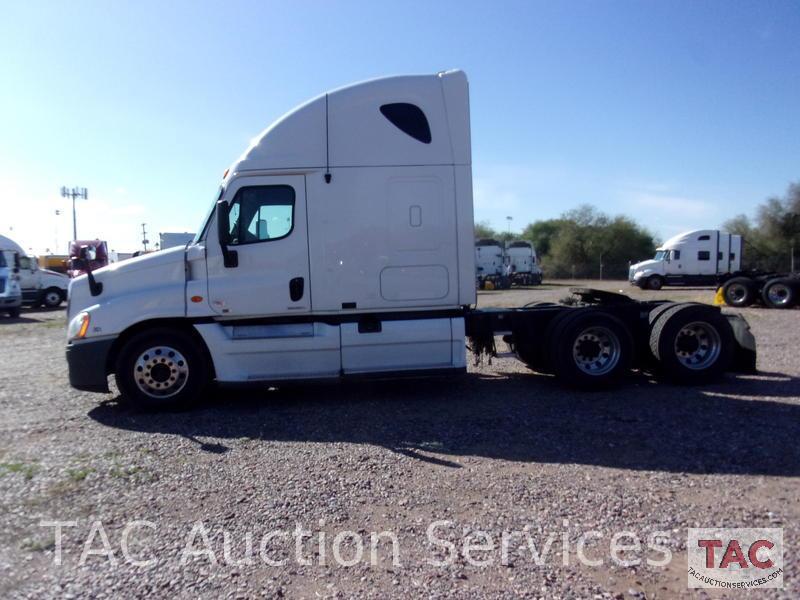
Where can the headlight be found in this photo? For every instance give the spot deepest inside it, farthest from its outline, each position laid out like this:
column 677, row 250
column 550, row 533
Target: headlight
column 78, row 326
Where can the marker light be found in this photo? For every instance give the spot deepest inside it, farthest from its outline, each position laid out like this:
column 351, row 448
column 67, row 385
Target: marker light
column 78, row 326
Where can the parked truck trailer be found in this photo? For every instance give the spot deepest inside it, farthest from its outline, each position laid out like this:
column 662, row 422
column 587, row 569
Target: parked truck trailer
column 341, row 245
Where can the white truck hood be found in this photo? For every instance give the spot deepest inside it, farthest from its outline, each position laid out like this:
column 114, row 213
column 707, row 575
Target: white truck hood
column 150, row 284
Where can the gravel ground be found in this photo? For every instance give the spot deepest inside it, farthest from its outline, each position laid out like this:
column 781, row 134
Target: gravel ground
column 500, row 450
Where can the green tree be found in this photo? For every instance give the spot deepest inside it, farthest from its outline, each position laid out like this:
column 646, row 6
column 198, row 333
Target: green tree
column 586, row 238
column 484, row 230
column 776, row 231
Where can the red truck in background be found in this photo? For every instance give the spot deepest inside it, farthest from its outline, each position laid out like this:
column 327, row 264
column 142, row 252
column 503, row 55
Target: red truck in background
column 100, row 260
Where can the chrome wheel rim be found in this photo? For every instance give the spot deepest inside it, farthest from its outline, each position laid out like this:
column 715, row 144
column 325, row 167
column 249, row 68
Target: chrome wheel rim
column 161, row 372
column 52, row 299
column 737, row 292
column 596, row 350
column 697, row 345
column 779, row 294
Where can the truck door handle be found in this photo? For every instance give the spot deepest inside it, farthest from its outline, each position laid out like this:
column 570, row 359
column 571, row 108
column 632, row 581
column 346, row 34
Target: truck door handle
column 296, row 286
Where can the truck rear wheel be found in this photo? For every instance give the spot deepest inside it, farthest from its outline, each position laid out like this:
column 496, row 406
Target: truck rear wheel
column 692, row 343
column 590, row 349
column 161, row 369
column 739, row 292
column 779, row 293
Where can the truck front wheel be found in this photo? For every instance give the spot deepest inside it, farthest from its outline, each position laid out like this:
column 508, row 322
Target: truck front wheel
column 52, row 298
column 162, row 369
column 654, row 282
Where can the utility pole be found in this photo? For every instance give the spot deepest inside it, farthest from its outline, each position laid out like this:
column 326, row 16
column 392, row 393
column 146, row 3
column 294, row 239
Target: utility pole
column 145, row 241
column 509, row 225
column 75, row 192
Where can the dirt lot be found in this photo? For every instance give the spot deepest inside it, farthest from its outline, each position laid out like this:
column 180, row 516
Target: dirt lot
column 501, row 450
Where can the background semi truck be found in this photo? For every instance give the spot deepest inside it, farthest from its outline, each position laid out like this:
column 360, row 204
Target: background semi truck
column 711, row 257
column 525, row 269
column 698, row 257
column 341, row 245
column 170, row 240
column 78, row 266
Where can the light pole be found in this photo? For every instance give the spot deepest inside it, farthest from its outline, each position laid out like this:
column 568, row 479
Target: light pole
column 145, row 241
column 75, row 192
column 509, row 225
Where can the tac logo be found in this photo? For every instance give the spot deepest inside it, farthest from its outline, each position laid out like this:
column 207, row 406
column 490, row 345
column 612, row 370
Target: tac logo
column 735, row 558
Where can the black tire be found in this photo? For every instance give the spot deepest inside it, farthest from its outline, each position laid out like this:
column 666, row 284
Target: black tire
column 52, row 297
column 780, row 292
column 591, row 350
column 162, row 357
column 14, row 312
column 537, row 355
column 654, row 282
column 739, row 292
column 692, row 343
column 658, row 311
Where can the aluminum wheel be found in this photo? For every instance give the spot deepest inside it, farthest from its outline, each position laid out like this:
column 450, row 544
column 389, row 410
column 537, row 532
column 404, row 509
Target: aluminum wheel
column 161, row 372
column 697, row 345
column 737, row 292
column 596, row 350
column 779, row 294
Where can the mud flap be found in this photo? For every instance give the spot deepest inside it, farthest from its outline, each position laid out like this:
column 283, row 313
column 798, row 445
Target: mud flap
column 744, row 358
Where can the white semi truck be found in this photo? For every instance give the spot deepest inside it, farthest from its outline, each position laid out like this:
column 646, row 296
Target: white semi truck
column 504, row 265
column 340, row 244
column 490, row 264
column 525, row 269
column 698, row 257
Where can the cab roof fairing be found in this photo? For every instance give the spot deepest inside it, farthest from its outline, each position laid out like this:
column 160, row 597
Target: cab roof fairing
column 359, row 135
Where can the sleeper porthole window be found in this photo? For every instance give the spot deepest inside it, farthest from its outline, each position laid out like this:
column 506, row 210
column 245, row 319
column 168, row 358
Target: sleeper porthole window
column 409, row 119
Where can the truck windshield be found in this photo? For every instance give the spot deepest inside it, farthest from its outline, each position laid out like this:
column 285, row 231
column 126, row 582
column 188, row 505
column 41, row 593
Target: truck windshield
column 201, row 231
column 661, row 255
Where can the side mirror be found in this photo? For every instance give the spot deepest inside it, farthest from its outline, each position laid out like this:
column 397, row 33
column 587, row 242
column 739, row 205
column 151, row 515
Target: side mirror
column 230, row 257
column 84, row 263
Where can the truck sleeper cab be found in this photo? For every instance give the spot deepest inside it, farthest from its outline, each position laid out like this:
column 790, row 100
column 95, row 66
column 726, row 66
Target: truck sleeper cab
column 341, row 244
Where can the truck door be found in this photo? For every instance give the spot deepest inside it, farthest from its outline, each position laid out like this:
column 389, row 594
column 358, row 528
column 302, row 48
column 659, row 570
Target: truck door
column 27, row 278
column 270, row 239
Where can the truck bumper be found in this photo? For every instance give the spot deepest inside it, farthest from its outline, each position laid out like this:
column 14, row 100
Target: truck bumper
column 10, row 301
column 87, row 364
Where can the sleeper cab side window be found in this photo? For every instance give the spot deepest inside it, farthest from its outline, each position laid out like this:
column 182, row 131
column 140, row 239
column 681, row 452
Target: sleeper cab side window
column 261, row 213
column 703, row 255
column 409, row 119
column 704, row 238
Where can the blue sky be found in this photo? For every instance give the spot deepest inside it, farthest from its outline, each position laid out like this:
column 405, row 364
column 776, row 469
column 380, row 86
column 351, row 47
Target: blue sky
column 678, row 114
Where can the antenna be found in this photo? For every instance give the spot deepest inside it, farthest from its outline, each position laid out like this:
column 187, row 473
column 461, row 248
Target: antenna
column 73, row 193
